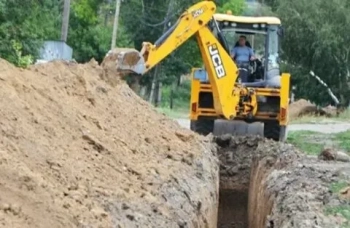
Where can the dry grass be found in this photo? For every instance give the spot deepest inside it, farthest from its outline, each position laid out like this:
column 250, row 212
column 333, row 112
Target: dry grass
column 343, row 117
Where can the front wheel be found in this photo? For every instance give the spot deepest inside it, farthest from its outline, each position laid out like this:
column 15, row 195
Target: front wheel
column 272, row 130
column 202, row 126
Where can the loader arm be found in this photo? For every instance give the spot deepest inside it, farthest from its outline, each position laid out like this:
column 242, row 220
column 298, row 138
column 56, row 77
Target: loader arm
column 221, row 69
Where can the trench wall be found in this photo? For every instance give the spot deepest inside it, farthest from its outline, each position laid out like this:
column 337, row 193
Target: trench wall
column 264, row 184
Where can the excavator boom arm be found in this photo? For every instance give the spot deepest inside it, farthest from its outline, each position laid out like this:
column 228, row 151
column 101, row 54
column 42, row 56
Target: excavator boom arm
column 189, row 23
column 221, row 69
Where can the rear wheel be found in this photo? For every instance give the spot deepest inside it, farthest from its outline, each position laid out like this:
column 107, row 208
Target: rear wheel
column 202, row 126
column 272, row 130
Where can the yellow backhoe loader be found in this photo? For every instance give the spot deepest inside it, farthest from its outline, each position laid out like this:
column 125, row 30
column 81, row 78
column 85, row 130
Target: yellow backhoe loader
column 223, row 103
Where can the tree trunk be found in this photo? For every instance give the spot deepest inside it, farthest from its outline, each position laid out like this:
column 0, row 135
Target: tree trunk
column 172, row 96
column 115, row 24
column 143, row 91
column 151, row 95
column 107, row 13
column 65, row 20
column 156, row 95
column 159, row 97
column 167, row 18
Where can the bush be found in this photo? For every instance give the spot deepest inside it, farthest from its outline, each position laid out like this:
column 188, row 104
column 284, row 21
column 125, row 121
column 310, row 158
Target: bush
column 21, row 61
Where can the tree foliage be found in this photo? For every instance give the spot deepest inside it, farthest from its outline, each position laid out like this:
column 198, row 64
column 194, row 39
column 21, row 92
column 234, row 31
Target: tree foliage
column 87, row 38
column 26, row 23
column 147, row 21
column 317, row 40
column 235, row 6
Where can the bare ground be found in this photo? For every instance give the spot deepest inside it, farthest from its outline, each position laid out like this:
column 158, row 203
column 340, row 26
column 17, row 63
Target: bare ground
column 323, row 128
column 77, row 151
column 286, row 188
column 298, row 186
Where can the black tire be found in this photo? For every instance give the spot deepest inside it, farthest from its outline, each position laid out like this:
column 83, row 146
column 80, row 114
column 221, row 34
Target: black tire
column 272, row 130
column 202, row 126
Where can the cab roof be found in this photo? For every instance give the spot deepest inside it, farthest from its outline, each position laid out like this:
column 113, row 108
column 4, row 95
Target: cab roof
column 242, row 19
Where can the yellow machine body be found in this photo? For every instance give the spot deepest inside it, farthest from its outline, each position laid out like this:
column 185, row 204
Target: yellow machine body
column 230, row 100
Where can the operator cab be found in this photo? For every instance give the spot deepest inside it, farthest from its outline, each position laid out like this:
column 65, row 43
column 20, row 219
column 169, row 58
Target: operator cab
column 263, row 36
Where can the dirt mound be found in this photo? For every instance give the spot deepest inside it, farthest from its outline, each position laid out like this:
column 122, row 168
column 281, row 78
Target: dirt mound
column 269, row 184
column 78, row 152
column 303, row 107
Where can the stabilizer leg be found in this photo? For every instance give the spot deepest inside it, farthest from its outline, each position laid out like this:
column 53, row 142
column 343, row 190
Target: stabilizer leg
column 237, row 128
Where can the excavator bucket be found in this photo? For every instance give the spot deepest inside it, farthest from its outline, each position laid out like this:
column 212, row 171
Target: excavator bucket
column 130, row 61
column 238, row 128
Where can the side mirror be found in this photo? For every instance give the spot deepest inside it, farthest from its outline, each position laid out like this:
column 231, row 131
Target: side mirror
column 280, row 31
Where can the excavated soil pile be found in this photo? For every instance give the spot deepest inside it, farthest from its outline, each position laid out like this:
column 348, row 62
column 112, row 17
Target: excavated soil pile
column 78, row 152
column 303, row 107
column 269, row 184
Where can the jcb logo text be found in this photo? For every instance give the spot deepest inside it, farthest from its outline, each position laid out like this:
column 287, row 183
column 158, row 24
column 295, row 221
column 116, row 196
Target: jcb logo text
column 217, row 62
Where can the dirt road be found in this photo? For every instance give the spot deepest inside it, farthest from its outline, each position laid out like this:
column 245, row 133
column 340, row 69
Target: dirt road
column 323, row 128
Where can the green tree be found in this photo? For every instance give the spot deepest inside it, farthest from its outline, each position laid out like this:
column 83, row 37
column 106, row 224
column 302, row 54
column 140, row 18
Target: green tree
column 235, row 6
column 27, row 28
column 90, row 29
column 86, row 36
column 145, row 21
column 317, row 40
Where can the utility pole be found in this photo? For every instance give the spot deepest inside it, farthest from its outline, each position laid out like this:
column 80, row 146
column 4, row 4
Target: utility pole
column 115, row 25
column 65, row 20
column 153, row 94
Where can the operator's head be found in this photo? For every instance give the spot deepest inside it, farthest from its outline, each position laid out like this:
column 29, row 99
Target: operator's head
column 242, row 40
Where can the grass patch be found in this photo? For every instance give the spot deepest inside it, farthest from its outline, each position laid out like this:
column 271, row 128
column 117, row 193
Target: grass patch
column 343, row 210
column 345, row 115
column 337, row 186
column 308, row 141
column 310, row 119
column 312, row 142
column 342, row 117
column 344, row 140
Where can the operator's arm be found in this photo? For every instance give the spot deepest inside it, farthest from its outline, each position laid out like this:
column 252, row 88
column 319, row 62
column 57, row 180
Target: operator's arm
column 234, row 52
column 251, row 54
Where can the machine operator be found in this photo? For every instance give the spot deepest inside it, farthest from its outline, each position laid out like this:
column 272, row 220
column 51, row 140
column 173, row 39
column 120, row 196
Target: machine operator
column 242, row 54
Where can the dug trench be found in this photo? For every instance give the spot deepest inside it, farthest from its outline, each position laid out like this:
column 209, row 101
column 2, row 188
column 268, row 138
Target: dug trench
column 272, row 185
